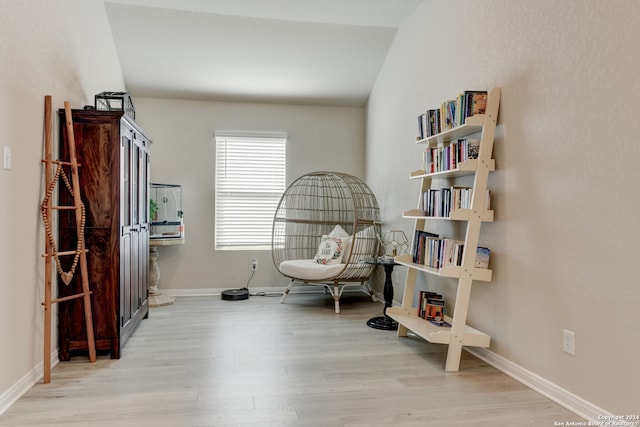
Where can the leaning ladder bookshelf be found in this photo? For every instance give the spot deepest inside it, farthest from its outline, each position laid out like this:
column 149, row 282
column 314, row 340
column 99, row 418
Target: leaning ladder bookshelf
column 459, row 334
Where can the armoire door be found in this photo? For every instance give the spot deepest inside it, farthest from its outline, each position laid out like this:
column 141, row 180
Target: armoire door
column 135, row 231
column 142, row 145
column 128, row 210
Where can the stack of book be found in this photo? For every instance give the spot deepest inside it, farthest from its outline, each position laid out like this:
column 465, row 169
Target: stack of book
column 441, row 202
column 433, row 251
column 444, row 158
column 431, row 308
column 452, row 113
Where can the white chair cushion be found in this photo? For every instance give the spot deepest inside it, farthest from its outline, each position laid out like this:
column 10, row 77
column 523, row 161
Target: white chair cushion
column 308, row 269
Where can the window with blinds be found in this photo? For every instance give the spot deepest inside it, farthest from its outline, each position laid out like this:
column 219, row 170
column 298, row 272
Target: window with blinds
column 250, row 179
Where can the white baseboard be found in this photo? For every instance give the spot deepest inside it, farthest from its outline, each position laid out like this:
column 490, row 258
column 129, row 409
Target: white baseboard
column 559, row 395
column 191, row 292
column 254, row 290
column 25, row 383
column 210, row 292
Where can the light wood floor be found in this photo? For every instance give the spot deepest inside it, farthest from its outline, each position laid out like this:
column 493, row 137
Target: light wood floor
column 208, row 362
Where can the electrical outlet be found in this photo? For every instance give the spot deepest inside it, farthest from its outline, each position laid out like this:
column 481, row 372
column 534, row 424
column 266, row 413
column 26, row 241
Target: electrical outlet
column 254, row 264
column 569, row 342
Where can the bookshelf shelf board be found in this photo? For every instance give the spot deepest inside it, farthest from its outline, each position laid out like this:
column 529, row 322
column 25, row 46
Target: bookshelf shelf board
column 433, row 333
column 480, row 274
column 456, row 215
column 472, row 125
column 468, row 167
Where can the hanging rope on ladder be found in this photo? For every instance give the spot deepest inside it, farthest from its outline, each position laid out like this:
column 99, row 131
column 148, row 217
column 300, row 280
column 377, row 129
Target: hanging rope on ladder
column 66, row 276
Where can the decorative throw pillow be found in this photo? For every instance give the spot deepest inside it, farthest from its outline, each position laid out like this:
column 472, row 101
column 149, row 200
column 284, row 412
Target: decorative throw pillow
column 338, row 232
column 330, row 251
column 367, row 242
column 346, row 238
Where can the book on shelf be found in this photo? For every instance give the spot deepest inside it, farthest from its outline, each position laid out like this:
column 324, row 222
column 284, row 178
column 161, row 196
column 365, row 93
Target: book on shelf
column 431, row 251
column 447, row 157
column 430, row 123
column 475, row 102
column 430, row 305
column 437, row 252
column 472, row 148
column 433, row 120
column 452, row 113
column 482, row 257
column 452, row 253
column 448, row 115
column 442, row 202
column 422, row 126
column 434, row 309
column 420, row 243
column 443, row 323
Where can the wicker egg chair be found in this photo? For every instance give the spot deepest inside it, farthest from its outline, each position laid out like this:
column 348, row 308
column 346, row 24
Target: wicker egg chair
column 325, row 229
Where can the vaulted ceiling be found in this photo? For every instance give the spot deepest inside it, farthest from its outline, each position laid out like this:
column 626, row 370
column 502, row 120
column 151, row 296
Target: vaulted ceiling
column 324, row 52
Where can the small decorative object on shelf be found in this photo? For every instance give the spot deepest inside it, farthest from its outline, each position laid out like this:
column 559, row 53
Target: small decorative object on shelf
column 165, row 211
column 115, row 101
column 394, row 243
column 459, row 138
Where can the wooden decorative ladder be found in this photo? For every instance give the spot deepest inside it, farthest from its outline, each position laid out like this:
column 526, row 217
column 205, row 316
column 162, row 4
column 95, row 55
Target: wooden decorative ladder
column 51, row 254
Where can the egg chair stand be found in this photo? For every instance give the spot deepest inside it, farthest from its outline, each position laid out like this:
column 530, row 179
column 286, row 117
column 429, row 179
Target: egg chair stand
column 333, row 288
column 326, row 232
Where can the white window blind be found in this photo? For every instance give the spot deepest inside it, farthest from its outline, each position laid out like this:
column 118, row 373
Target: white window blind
column 250, row 179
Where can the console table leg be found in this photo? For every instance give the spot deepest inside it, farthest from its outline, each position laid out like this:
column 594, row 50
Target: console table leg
column 385, row 322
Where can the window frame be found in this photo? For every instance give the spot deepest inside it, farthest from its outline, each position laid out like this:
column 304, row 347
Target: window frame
column 245, row 200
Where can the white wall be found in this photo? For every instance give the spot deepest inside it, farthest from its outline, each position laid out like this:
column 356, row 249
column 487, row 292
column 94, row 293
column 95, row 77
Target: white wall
column 183, row 152
column 63, row 49
column 565, row 243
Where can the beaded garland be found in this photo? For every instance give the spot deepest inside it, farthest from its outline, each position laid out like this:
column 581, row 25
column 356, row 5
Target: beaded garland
column 68, row 275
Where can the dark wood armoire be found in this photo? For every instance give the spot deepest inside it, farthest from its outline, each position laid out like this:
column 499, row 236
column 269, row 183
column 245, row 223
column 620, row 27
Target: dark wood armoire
column 114, row 157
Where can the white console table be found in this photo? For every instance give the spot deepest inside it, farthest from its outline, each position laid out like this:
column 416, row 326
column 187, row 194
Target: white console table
column 157, row 298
